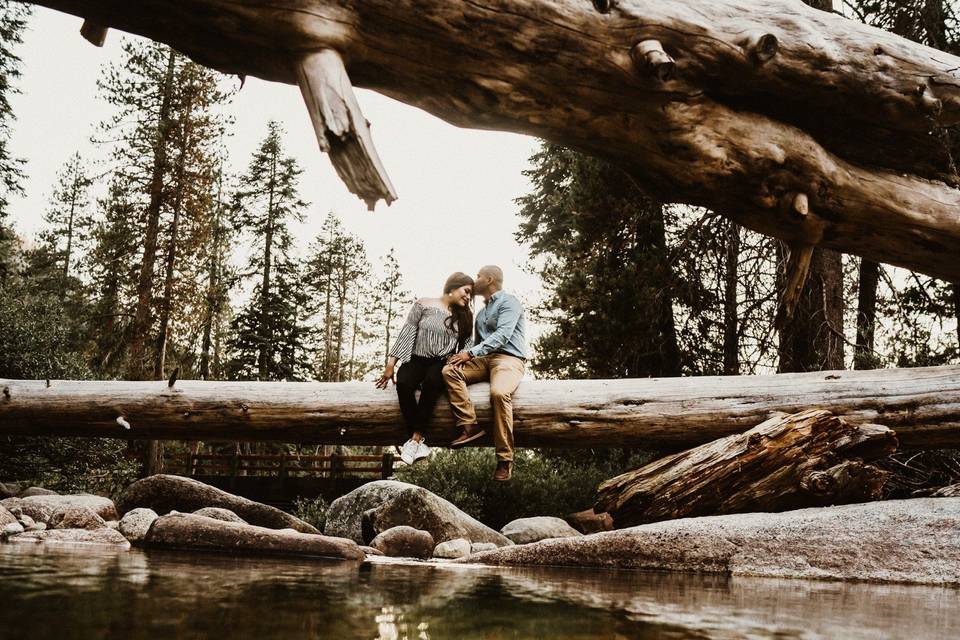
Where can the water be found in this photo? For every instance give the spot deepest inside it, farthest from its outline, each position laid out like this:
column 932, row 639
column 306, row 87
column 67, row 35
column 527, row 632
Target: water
column 62, row 593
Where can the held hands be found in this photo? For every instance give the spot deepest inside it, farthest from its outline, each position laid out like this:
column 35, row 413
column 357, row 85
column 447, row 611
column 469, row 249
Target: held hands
column 458, row 359
column 386, row 377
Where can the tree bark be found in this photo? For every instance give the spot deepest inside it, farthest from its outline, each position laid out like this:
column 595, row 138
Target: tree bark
column 922, row 405
column 738, row 104
column 807, row 459
column 864, row 356
column 813, row 339
column 731, row 335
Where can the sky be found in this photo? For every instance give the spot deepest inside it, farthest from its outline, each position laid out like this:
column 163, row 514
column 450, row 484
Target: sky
column 456, row 186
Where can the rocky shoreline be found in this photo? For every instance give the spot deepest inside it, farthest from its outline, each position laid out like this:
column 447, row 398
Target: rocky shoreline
column 909, row 541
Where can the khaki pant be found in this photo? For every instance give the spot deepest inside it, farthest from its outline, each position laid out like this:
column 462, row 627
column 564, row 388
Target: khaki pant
column 504, row 373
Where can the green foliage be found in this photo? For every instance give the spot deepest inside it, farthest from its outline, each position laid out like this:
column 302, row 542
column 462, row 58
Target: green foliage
column 312, row 511
column 542, row 485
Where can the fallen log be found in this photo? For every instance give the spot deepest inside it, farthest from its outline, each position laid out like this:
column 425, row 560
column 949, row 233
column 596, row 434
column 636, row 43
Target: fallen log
column 922, row 405
column 735, row 105
column 806, row 459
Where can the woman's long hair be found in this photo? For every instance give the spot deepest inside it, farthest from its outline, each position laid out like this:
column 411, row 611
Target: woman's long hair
column 462, row 317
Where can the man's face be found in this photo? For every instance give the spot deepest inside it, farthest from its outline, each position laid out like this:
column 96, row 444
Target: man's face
column 481, row 283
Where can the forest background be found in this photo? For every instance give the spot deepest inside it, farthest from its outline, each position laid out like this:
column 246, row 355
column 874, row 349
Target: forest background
column 160, row 249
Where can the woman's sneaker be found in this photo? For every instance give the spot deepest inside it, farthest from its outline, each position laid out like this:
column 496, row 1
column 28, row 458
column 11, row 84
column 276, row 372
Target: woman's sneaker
column 408, row 451
column 423, row 451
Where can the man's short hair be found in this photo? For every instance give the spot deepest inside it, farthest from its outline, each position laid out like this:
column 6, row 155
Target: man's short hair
column 495, row 273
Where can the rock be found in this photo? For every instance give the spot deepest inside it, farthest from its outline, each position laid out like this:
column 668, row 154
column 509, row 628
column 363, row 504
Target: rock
column 42, row 508
column 369, row 510
column 590, row 522
column 916, row 540
column 136, row 522
column 11, row 529
column 219, row 514
column 10, row 489
column 480, row 547
column 165, row 493
column 404, row 542
column 950, row 491
column 189, row 531
column 370, row 551
column 527, row 530
column 103, row 537
column 6, row 517
column 36, row 491
column 76, row 518
column 451, row 549
column 39, row 526
column 113, row 524
column 27, row 522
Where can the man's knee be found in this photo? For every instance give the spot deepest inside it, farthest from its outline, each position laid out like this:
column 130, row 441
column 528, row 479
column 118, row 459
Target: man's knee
column 452, row 373
column 500, row 395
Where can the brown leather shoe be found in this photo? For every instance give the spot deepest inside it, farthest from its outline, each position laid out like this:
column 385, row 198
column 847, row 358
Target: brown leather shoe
column 470, row 433
column 504, row 470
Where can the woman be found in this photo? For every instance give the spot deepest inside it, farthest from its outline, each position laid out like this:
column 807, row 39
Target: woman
column 435, row 329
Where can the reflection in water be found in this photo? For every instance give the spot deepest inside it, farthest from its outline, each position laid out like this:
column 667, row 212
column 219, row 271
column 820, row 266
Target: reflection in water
column 132, row 594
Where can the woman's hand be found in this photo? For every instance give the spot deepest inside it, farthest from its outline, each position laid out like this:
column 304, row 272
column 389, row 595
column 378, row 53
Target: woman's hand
column 386, row 377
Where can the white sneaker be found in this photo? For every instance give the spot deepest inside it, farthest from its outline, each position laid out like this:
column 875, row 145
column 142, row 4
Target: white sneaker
column 423, row 451
column 409, row 451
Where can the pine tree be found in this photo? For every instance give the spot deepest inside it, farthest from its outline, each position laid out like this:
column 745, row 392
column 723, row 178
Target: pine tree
column 268, row 337
column 68, row 219
column 388, row 302
column 13, row 20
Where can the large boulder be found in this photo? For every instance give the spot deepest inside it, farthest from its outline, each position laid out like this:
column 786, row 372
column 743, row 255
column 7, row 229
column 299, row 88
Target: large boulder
column 166, row 493
column 915, row 540
column 190, row 531
column 136, row 522
column 10, row 489
column 404, row 542
column 589, row 521
column 220, row 514
column 36, row 491
column 42, row 508
column 6, row 517
column 11, row 529
column 369, row 510
column 535, row 529
column 101, row 537
column 76, row 518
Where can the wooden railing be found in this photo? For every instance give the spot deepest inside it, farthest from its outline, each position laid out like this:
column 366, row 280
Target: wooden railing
column 281, row 465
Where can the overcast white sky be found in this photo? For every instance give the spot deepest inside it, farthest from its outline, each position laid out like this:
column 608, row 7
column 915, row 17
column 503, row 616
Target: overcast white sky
column 456, row 186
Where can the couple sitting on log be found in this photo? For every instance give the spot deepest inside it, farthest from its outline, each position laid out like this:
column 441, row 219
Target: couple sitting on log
column 437, row 352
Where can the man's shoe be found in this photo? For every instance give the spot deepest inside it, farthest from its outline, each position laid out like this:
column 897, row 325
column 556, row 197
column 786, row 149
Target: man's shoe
column 504, row 470
column 409, row 451
column 470, row 433
column 423, row 451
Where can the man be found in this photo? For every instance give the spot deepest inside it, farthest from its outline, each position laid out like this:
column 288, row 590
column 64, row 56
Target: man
column 499, row 356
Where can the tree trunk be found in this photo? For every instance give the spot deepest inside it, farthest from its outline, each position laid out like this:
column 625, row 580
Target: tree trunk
column 807, row 459
column 922, row 405
column 731, row 334
column 955, row 289
column 167, row 306
column 266, row 332
column 864, row 356
column 813, row 339
column 136, row 367
column 730, row 104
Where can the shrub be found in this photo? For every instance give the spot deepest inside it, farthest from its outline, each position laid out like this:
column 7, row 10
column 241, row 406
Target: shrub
column 543, row 484
column 312, row 511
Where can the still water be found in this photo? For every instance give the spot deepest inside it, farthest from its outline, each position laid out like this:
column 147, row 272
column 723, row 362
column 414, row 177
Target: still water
column 62, row 593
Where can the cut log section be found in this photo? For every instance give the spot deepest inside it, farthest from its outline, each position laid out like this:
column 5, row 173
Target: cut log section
column 922, row 405
column 807, row 459
column 727, row 104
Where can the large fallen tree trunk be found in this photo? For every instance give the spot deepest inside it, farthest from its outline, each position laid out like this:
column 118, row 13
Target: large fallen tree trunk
column 922, row 405
column 794, row 122
column 806, row 459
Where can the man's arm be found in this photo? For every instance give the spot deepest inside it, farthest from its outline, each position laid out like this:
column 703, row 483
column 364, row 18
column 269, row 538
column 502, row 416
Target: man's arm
column 507, row 319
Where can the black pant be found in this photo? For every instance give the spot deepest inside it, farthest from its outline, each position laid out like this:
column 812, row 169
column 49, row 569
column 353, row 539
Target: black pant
column 425, row 374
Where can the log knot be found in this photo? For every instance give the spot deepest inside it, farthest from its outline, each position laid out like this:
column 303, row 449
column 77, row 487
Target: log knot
column 649, row 55
column 762, row 47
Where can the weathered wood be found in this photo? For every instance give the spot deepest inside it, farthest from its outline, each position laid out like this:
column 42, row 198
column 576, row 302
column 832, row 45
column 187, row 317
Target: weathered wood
column 758, row 98
column 922, row 405
column 806, row 459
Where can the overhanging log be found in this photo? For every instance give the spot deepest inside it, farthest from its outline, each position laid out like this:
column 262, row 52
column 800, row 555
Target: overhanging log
column 739, row 104
column 922, row 405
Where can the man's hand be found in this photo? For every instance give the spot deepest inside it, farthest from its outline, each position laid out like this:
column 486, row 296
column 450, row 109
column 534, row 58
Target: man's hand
column 386, row 377
column 458, row 359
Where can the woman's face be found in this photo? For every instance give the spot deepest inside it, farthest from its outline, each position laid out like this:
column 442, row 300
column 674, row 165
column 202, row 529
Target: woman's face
column 461, row 295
